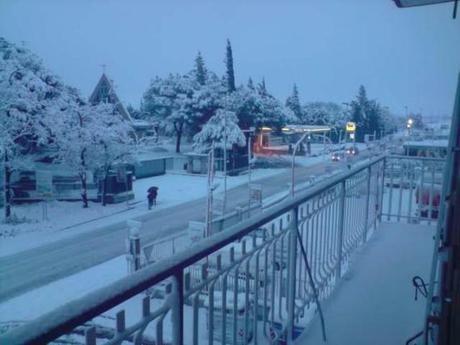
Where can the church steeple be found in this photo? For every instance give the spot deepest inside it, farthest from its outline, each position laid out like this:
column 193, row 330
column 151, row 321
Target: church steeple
column 104, row 92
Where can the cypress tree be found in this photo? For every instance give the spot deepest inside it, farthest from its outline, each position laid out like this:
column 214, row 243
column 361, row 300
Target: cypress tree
column 293, row 102
column 230, row 77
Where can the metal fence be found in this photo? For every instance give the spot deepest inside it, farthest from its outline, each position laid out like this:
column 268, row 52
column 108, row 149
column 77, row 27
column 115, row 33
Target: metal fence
column 249, row 283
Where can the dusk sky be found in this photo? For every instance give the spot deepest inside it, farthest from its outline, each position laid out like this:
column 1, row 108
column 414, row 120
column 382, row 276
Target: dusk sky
column 403, row 56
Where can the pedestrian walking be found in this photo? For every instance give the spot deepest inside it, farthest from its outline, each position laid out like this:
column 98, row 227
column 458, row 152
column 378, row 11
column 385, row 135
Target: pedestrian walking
column 152, row 194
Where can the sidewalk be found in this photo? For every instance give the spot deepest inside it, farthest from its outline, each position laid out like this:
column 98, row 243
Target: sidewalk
column 67, row 219
column 374, row 303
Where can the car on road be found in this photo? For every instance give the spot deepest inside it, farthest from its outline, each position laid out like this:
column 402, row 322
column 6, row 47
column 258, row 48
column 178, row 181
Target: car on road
column 352, row 151
column 336, row 156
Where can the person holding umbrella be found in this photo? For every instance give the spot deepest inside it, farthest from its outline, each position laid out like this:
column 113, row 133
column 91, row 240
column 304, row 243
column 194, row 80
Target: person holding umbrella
column 152, row 193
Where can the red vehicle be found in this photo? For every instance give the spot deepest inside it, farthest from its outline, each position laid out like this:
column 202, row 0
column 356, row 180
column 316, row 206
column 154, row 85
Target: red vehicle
column 422, row 197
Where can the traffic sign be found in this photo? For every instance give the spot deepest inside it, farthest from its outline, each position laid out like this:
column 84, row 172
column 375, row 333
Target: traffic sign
column 351, row 127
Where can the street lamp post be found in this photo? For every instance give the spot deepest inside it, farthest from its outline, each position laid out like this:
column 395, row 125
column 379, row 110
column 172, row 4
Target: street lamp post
column 250, row 132
column 293, row 160
column 210, row 190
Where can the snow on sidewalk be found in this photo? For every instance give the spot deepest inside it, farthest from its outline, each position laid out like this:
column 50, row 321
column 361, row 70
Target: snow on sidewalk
column 374, row 304
column 69, row 218
column 37, row 302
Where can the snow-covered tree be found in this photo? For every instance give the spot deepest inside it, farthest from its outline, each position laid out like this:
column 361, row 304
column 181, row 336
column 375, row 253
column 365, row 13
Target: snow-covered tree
column 389, row 121
column 220, row 129
column 323, row 114
column 32, row 102
column 115, row 144
column 366, row 113
column 169, row 101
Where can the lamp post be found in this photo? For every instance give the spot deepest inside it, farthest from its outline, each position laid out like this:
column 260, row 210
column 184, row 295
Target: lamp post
column 250, row 132
column 293, row 160
column 410, row 123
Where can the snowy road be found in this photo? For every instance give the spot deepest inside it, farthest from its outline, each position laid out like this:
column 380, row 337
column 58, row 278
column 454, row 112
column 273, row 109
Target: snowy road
column 33, row 268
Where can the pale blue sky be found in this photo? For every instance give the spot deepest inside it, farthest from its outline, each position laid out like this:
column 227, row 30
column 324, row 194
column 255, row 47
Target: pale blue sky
column 403, row 56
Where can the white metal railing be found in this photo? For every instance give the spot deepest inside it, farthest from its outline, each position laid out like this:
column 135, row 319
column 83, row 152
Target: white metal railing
column 248, row 283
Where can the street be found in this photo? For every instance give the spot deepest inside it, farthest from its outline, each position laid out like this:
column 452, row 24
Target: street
column 39, row 266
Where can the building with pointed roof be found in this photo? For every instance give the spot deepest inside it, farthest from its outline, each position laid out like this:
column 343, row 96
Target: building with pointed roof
column 105, row 92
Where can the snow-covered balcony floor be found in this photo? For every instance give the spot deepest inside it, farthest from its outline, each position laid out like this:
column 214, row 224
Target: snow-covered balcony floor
column 375, row 302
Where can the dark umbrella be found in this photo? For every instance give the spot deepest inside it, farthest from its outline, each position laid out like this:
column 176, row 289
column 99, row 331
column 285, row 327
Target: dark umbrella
column 152, row 189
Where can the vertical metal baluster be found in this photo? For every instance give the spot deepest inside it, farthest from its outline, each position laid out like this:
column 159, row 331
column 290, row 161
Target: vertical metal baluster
column 326, row 252
column 246, row 299
column 366, row 214
column 411, row 184
column 341, row 224
column 177, row 309
column 288, row 271
column 382, row 189
column 273, row 280
column 419, row 192
column 211, row 312
column 159, row 329
column 195, row 306
column 90, row 336
column 266, row 252
column 390, row 198
column 310, row 239
column 431, row 195
column 401, row 181
column 315, row 236
column 235, row 304
column 256, row 300
column 281, row 286
column 323, row 236
column 291, row 284
column 299, row 264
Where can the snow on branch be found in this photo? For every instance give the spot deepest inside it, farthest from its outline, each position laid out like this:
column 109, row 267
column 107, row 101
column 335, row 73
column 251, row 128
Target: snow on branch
column 222, row 127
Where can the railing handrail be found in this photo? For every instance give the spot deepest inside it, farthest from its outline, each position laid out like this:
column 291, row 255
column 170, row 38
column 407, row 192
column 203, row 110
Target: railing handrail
column 64, row 319
column 435, row 159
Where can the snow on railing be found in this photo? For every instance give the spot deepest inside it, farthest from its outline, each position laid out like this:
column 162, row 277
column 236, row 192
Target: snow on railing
column 248, row 283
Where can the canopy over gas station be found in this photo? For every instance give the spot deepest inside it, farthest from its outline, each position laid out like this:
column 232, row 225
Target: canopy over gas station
column 295, row 129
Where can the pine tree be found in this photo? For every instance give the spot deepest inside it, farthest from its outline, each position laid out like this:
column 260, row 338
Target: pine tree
column 293, row 102
column 251, row 84
column 261, row 88
column 230, row 77
column 359, row 113
column 200, row 69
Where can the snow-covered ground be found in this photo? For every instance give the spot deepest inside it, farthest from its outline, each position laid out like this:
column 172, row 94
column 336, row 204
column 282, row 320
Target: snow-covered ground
column 65, row 219
column 370, row 306
column 69, row 218
column 375, row 304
